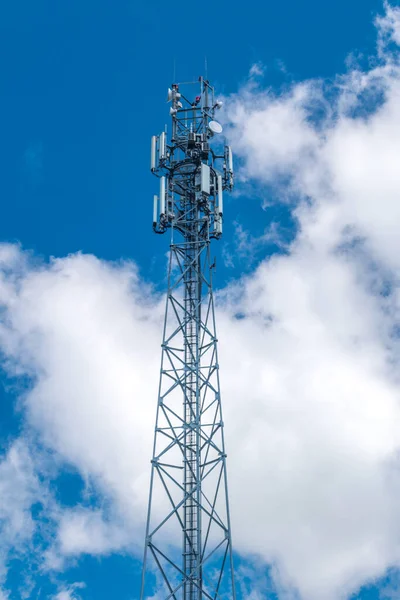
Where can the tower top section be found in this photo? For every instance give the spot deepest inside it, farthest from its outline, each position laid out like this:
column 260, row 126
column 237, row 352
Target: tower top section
column 193, row 163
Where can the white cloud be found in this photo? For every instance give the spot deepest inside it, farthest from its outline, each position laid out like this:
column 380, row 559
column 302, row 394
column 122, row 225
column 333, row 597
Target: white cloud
column 95, row 377
column 318, row 435
column 310, row 374
column 325, row 143
column 327, row 362
column 69, row 593
column 19, row 490
column 86, row 531
column 388, row 27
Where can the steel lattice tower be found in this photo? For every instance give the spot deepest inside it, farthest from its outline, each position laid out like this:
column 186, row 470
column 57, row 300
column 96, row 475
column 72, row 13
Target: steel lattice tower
column 188, row 545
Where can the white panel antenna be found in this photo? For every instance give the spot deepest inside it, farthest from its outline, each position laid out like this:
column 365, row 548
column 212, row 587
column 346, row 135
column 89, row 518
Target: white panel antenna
column 220, row 196
column 205, row 179
column 230, row 160
column 162, row 146
column 155, row 210
column 153, row 152
column 162, row 195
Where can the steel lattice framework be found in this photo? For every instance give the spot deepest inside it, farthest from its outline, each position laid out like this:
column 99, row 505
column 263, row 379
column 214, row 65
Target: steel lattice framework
column 188, row 545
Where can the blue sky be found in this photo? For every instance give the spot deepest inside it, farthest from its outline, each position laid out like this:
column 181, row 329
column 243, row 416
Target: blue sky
column 83, row 87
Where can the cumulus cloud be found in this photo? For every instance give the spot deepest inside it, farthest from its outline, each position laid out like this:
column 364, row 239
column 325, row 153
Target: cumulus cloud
column 309, row 349
column 388, row 28
column 335, row 145
column 327, row 400
column 20, row 488
column 94, row 377
column 70, row 592
column 85, row 530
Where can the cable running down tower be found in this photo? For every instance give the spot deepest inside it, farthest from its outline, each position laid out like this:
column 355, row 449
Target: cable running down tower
column 188, row 547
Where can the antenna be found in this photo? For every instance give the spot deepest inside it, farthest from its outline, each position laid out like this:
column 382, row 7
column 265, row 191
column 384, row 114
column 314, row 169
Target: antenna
column 188, row 545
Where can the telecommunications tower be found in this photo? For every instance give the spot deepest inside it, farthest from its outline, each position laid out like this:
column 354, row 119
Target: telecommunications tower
column 188, row 547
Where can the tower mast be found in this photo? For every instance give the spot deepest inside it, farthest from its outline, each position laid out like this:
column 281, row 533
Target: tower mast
column 188, row 546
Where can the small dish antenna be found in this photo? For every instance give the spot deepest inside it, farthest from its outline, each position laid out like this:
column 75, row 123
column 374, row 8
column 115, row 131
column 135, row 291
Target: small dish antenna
column 215, row 127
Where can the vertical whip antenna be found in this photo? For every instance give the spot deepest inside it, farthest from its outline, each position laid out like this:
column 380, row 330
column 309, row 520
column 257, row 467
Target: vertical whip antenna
column 188, row 545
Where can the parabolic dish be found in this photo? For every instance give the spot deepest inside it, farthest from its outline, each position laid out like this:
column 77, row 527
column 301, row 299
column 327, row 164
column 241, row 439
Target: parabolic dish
column 215, row 127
